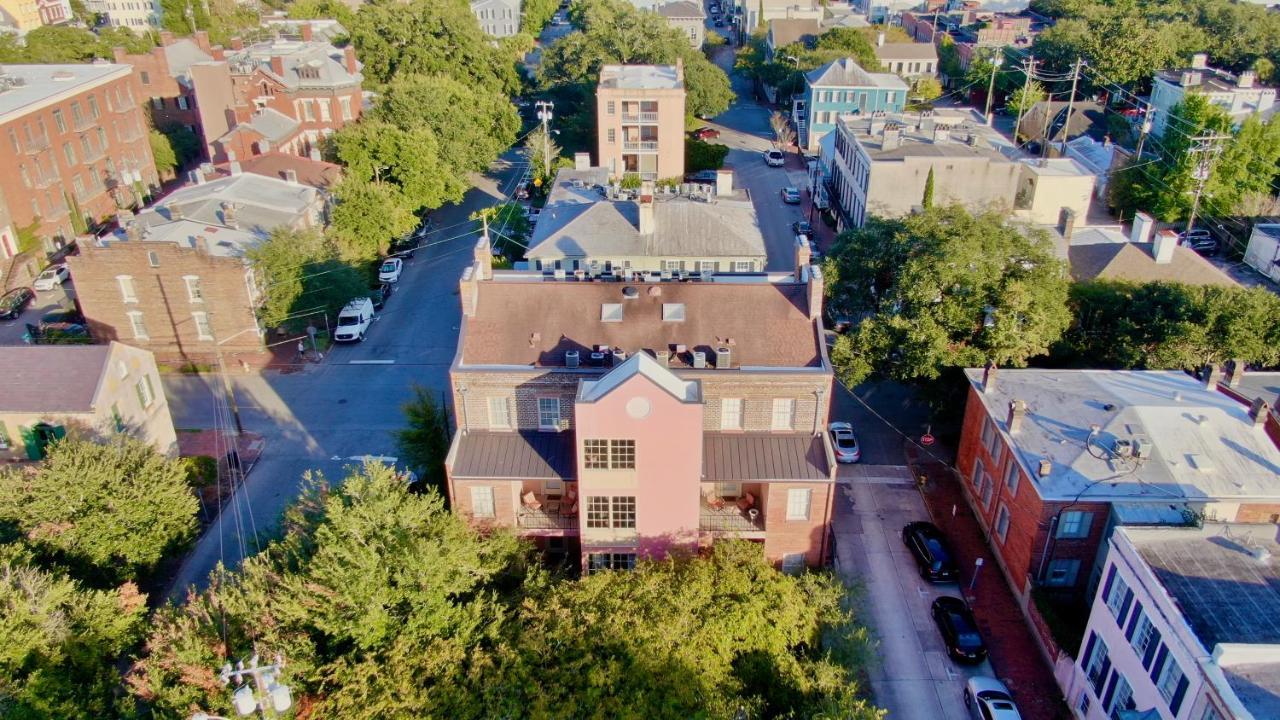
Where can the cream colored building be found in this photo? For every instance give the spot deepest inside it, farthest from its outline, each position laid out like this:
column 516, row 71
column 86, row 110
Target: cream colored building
column 47, row 391
column 21, row 15
column 640, row 120
column 1049, row 185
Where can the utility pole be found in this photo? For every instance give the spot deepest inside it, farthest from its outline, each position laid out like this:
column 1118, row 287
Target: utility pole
column 265, row 695
column 1207, row 148
column 1028, row 68
column 544, row 114
column 996, row 62
column 1071, row 101
column 1146, row 128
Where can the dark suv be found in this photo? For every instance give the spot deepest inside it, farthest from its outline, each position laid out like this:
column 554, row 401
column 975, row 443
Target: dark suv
column 959, row 630
column 14, row 302
column 929, row 549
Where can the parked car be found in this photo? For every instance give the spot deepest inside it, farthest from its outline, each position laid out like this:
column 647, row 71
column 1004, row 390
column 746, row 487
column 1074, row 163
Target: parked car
column 380, row 294
column 57, row 333
column 1200, row 241
column 390, row 270
column 14, row 302
column 702, row 176
column 844, row 442
column 791, row 195
column 403, row 247
column 988, row 699
column 522, row 191
column 959, row 630
column 354, row 320
column 802, row 227
column 52, row 277
column 706, row 133
column 774, row 158
column 929, row 549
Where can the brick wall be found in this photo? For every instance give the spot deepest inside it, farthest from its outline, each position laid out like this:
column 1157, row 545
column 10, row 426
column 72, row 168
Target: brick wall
column 162, row 298
column 757, row 390
column 784, row 537
column 160, row 89
column 504, row 498
column 1259, row 513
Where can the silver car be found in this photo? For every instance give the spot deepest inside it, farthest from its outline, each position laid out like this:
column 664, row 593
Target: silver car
column 988, row 699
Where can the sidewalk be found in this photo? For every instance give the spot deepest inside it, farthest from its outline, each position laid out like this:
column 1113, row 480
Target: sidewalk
column 1012, row 650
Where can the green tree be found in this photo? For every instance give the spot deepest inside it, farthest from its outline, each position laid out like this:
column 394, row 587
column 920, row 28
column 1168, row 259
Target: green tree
column 537, row 15
column 783, row 134
column 945, row 289
column 133, row 43
column 366, row 217
column 61, row 641
column 112, row 510
column 1249, row 164
column 857, row 43
column 509, row 229
column 424, row 441
column 52, row 44
column 183, row 142
column 300, row 270
column 543, row 153
column 926, row 201
column 162, row 150
column 1024, row 98
column 321, row 9
column 700, row 155
column 408, row 159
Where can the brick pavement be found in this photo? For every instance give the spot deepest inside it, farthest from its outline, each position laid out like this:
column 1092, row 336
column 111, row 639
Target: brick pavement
column 1013, row 651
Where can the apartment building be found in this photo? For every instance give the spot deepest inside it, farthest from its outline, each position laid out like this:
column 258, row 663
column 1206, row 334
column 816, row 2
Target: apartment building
column 73, row 139
column 907, row 60
column 1183, row 627
column 842, row 87
column 23, row 16
column 98, row 390
column 139, row 16
column 175, row 279
column 164, row 74
column 1239, row 95
column 598, row 230
column 610, row 420
column 1053, row 459
column 497, row 18
column 640, row 120
column 277, row 95
column 688, row 17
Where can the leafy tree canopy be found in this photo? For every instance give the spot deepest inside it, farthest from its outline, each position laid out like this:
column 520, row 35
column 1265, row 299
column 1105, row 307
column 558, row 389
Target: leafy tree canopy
column 166, row 159
column 301, row 270
column 367, row 216
column 409, row 159
column 944, row 288
column 112, row 510
column 424, row 441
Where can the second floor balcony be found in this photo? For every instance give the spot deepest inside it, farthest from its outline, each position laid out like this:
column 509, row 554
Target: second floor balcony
column 36, row 144
column 640, row 145
column 639, row 117
column 742, row 514
column 552, row 515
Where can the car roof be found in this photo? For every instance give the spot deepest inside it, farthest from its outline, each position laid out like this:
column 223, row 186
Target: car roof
column 986, row 684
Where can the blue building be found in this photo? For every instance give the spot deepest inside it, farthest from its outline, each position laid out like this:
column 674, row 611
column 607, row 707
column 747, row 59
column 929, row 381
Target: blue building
column 842, row 87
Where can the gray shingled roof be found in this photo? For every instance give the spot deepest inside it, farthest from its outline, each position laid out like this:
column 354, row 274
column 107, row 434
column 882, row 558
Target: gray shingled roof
column 845, row 72
column 327, row 60
column 683, row 228
column 907, row 51
column 273, row 125
column 50, row 378
column 181, row 55
column 681, row 9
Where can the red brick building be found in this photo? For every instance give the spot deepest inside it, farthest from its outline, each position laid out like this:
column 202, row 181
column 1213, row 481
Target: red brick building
column 165, row 78
column 1052, row 460
column 73, row 139
column 613, row 420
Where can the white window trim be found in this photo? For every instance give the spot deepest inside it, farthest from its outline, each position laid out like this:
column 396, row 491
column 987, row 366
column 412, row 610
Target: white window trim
column 128, row 291
column 506, row 423
column 204, row 330
column 480, row 496
column 195, row 293
column 551, row 426
column 136, row 321
column 793, row 495
column 736, row 404
column 784, row 409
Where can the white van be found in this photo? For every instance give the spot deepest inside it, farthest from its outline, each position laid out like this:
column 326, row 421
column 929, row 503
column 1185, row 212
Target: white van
column 354, row 320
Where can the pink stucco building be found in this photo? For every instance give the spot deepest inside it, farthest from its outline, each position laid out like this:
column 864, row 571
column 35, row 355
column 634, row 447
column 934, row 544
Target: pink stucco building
column 612, row 418
column 1185, row 626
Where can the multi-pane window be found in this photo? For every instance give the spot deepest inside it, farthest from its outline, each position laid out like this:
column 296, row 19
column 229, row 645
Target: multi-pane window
column 991, row 439
column 1075, row 524
column 618, row 511
column 978, row 471
column 731, row 414
column 1117, row 596
column 792, row 562
column 138, row 326
column 194, row 293
column 622, row 454
column 624, row 512
column 612, row 136
column 595, row 454
column 70, row 153
column 610, row 561
column 1011, row 475
column 986, row 490
column 743, row 266
column 1121, row 697
column 1063, row 572
column 1002, row 522
column 798, row 503
column 93, row 107
column 1096, row 662
column 499, row 413
column 1142, row 633
column 183, row 103
column 146, row 392
column 203, row 330
column 60, row 121
column 1168, row 680
column 598, row 512
column 323, row 105
column 344, row 104
column 482, row 501
column 783, row 411
column 549, row 413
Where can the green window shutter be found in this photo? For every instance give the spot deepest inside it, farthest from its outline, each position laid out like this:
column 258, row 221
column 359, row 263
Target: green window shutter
column 5, row 441
column 31, row 441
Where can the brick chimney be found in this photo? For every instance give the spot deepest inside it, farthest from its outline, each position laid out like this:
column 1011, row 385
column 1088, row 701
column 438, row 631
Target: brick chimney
column 989, row 378
column 305, row 28
column 277, row 65
column 237, row 43
column 1212, row 375
column 349, row 56
column 1017, row 413
column 1235, row 372
column 1259, row 411
column 815, row 292
column 803, row 258
column 645, row 207
column 201, row 38
column 483, row 255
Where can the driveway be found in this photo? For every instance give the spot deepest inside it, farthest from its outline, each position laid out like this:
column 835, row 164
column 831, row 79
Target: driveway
column 11, row 331
column 329, row 415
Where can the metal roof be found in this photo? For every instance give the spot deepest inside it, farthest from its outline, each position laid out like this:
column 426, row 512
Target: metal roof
column 515, row 455
column 763, row 457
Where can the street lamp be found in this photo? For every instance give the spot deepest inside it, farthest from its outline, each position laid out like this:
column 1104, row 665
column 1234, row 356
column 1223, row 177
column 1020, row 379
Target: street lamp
column 996, row 62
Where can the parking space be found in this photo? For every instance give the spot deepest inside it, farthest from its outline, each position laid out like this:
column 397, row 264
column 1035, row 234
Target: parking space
column 60, row 298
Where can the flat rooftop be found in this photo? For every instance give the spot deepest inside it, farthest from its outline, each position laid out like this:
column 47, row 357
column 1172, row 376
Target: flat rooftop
column 31, row 86
column 947, row 132
column 641, row 77
column 1204, row 445
column 1209, row 79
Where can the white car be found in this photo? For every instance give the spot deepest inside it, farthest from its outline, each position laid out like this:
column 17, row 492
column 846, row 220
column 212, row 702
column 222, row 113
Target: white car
column 354, row 320
column 52, row 277
column 774, row 158
column 844, row 442
column 390, row 270
column 988, row 699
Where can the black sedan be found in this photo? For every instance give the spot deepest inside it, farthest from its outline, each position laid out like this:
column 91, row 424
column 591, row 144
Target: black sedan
column 929, row 549
column 14, row 302
column 802, row 227
column 959, row 630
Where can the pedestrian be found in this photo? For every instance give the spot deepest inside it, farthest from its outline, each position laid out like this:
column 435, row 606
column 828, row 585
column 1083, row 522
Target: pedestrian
column 302, row 350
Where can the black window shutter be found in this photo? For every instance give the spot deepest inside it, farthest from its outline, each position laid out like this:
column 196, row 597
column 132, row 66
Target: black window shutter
column 1111, row 690
column 1178, row 694
column 1102, row 675
column 1088, row 650
column 1124, row 607
column 1159, row 663
column 1133, row 622
column 1151, row 648
column 1106, row 587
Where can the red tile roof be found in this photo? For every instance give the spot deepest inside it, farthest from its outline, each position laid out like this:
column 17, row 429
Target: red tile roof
column 534, row 322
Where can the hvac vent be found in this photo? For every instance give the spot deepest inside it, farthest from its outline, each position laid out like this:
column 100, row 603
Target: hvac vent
column 630, row 293
column 597, row 359
column 571, row 359
column 699, row 359
column 724, row 357
column 673, row 312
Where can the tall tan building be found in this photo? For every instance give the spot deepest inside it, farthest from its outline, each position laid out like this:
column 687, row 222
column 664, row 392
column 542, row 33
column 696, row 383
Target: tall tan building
column 640, row 120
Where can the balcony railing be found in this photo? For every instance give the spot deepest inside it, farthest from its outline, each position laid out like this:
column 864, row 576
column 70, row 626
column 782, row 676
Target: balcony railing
column 640, row 117
column 730, row 518
column 124, row 107
column 629, row 145
column 36, row 145
column 83, row 123
column 548, row 517
column 42, row 180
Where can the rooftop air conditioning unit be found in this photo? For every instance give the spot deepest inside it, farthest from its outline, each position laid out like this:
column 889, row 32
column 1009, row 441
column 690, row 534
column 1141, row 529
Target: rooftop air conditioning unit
column 1142, row 446
column 597, row 359
column 699, row 359
column 724, row 357
column 1123, row 448
column 571, row 359
column 619, row 356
